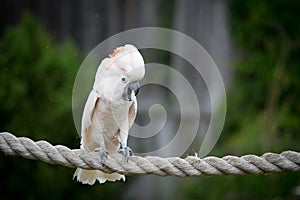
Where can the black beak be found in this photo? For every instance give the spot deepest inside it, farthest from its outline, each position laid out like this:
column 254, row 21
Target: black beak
column 134, row 86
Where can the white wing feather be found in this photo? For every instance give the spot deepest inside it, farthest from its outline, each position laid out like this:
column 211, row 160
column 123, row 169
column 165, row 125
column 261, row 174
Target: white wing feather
column 88, row 112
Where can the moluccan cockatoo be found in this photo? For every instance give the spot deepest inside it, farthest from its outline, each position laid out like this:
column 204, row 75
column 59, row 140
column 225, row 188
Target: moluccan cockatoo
column 110, row 110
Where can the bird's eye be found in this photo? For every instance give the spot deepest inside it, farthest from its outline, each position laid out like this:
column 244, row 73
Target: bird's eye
column 123, row 79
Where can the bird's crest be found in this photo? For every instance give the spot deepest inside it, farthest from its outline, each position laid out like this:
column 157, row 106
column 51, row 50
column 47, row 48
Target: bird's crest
column 116, row 51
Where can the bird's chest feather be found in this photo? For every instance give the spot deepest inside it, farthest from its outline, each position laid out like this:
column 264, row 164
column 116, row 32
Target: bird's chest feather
column 109, row 117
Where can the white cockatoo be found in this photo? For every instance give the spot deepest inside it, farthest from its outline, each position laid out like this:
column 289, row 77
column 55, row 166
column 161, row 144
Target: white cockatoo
column 110, row 110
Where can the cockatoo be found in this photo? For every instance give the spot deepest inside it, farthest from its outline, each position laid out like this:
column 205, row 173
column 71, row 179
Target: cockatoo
column 110, row 110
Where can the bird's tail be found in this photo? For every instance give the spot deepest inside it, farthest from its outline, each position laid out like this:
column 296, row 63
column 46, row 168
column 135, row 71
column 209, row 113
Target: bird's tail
column 90, row 176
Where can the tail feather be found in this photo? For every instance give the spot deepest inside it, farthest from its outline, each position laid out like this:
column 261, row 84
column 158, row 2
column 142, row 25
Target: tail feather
column 90, row 176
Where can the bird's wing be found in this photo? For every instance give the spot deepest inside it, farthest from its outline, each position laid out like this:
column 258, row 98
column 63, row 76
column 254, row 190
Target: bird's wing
column 132, row 113
column 87, row 117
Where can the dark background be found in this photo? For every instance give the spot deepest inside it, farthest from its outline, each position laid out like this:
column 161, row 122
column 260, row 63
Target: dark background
column 255, row 44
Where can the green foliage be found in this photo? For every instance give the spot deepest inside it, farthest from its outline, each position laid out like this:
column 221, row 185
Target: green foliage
column 274, row 186
column 263, row 101
column 266, row 88
column 36, row 83
column 36, row 80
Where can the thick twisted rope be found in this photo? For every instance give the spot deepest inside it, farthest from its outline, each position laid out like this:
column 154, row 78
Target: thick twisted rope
column 190, row 166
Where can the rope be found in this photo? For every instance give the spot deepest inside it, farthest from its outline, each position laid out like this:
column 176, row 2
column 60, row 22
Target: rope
column 190, row 166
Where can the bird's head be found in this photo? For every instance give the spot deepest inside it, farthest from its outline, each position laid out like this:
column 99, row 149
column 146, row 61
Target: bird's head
column 118, row 76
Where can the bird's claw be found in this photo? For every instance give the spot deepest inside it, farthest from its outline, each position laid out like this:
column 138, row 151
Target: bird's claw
column 103, row 153
column 126, row 151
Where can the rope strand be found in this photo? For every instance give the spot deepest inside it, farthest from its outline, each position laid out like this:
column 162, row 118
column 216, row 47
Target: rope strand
column 136, row 165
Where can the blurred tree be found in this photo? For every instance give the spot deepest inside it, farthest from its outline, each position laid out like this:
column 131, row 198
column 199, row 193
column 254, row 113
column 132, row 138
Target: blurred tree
column 263, row 101
column 266, row 86
column 35, row 96
column 36, row 79
column 36, row 83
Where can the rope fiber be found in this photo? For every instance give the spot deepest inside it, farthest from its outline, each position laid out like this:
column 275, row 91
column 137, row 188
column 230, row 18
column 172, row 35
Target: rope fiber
column 136, row 165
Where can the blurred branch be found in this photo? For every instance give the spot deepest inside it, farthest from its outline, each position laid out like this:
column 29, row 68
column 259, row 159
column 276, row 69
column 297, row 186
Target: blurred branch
column 287, row 45
column 274, row 94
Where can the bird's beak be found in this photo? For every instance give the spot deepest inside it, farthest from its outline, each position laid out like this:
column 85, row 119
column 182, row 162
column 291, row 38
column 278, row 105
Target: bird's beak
column 131, row 87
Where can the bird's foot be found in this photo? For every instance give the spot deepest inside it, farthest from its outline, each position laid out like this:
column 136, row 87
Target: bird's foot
column 103, row 153
column 125, row 151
